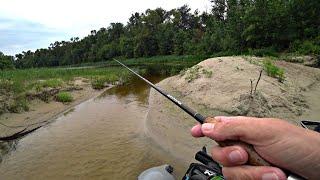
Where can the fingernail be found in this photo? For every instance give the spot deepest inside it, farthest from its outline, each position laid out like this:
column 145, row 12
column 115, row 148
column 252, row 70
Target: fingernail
column 207, row 126
column 270, row 176
column 235, row 156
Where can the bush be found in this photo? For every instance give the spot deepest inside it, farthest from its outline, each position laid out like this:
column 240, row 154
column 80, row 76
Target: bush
column 192, row 73
column 51, row 83
column 20, row 104
column 98, row 83
column 274, row 71
column 306, row 47
column 270, row 51
column 6, row 62
column 64, row 97
column 207, row 73
column 101, row 81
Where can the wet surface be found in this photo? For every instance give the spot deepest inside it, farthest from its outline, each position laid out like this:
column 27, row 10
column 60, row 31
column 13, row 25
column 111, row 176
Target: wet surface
column 102, row 138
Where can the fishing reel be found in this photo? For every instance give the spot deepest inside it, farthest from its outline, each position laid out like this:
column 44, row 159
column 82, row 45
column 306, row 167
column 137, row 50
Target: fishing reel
column 207, row 170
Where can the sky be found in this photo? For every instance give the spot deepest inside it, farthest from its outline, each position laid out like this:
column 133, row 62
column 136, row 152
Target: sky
column 33, row 24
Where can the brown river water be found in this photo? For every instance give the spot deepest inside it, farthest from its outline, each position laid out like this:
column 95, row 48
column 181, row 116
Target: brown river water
column 102, row 138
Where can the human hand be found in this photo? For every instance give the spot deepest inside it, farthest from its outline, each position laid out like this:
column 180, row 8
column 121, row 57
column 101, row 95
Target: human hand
column 279, row 142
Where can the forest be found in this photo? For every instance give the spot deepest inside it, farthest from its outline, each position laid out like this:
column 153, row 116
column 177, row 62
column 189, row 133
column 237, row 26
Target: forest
column 231, row 27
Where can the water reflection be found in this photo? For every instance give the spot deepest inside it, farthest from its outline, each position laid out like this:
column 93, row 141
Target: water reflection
column 136, row 89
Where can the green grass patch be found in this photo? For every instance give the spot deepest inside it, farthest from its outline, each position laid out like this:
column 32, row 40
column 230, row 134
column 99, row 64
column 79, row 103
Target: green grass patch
column 306, row 47
column 20, row 104
column 50, row 83
column 64, row 97
column 101, row 81
column 195, row 72
column 273, row 70
column 27, row 79
column 15, row 83
column 269, row 51
column 207, row 73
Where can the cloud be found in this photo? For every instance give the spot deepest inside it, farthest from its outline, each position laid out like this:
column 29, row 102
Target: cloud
column 35, row 24
column 20, row 35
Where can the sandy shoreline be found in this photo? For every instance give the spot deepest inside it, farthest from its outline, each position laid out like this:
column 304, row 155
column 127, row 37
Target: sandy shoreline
column 41, row 113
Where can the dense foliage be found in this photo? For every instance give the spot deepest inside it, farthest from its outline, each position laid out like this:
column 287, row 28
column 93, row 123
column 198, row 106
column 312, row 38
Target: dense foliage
column 259, row 27
column 6, row 62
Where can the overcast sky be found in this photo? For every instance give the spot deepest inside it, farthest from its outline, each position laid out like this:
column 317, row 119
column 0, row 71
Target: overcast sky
column 32, row 24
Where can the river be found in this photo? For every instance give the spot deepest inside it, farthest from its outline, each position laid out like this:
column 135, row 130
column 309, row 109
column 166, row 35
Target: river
column 102, row 138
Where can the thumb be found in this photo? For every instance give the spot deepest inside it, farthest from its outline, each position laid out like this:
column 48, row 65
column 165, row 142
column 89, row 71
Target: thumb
column 253, row 173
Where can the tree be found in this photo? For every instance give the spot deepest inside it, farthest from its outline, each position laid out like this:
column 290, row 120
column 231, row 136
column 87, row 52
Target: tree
column 231, row 27
column 6, row 62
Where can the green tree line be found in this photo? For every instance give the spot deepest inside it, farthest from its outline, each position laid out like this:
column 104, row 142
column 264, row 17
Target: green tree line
column 230, row 27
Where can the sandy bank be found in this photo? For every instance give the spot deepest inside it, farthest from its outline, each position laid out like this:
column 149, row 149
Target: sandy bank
column 42, row 112
column 226, row 91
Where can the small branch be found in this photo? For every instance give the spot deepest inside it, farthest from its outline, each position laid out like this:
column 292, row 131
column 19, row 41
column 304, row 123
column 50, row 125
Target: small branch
column 255, row 89
column 251, row 82
column 18, row 134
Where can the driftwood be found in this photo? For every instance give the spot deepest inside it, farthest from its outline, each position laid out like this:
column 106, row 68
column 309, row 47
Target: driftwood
column 252, row 92
column 255, row 89
column 19, row 134
column 251, row 85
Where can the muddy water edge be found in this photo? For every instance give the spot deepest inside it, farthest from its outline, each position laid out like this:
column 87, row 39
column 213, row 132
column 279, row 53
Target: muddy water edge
column 102, row 138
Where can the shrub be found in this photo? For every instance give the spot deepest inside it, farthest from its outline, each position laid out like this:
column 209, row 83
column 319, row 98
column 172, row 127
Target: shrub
column 192, row 73
column 20, row 104
column 207, row 73
column 64, row 97
column 6, row 62
column 305, row 47
column 270, row 51
column 273, row 71
column 52, row 83
column 98, row 83
column 182, row 72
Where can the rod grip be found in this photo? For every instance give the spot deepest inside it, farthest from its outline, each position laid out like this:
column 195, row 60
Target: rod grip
column 253, row 157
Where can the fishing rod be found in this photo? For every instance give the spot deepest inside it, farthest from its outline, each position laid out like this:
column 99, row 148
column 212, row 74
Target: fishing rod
column 187, row 109
column 253, row 157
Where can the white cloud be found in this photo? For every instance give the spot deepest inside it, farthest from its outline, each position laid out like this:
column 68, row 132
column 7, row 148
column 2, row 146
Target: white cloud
column 78, row 17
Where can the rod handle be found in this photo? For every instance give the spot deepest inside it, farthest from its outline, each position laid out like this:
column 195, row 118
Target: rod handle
column 253, row 157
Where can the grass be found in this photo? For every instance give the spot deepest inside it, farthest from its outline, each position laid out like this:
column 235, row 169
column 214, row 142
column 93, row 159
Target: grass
column 14, row 84
column 64, row 97
column 207, row 73
column 50, row 83
column 100, row 82
column 273, row 71
column 194, row 73
column 26, row 79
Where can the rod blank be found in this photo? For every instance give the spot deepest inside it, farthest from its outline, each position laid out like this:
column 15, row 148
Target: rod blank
column 187, row 109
